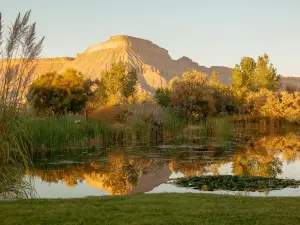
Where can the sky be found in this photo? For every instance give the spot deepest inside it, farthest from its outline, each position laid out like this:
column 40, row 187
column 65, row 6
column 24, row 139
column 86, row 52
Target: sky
column 210, row 32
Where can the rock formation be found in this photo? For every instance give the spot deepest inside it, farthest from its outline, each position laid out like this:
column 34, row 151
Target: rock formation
column 153, row 64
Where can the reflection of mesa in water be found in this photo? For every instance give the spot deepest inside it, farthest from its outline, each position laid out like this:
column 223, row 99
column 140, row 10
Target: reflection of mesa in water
column 120, row 175
column 145, row 182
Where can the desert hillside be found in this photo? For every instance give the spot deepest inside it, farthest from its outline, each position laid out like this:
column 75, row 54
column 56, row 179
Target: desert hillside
column 154, row 65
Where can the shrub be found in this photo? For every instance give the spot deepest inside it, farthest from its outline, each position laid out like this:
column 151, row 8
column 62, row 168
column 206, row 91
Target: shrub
column 196, row 96
column 163, row 97
column 283, row 105
column 58, row 93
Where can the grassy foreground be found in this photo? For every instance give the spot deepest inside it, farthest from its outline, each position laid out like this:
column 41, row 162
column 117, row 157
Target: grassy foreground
column 154, row 209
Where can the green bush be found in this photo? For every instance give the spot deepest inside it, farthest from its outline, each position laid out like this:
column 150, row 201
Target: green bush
column 58, row 93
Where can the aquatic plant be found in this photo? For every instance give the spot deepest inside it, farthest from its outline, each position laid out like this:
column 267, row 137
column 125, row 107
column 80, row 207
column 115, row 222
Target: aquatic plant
column 14, row 159
column 58, row 133
column 236, row 183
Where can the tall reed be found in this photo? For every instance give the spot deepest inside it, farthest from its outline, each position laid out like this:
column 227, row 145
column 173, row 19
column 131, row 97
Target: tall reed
column 17, row 64
column 14, row 159
column 59, row 133
column 17, row 53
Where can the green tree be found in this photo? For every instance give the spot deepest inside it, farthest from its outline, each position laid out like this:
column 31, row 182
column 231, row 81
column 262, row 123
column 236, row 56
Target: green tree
column 251, row 75
column 196, row 96
column 96, row 94
column 163, row 96
column 266, row 75
column 129, row 86
column 118, row 83
column 192, row 96
column 58, row 93
column 242, row 77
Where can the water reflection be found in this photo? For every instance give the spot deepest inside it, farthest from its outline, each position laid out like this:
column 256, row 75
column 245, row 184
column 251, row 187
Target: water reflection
column 125, row 170
column 119, row 175
column 13, row 185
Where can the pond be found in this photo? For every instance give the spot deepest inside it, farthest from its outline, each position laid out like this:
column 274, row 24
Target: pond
column 118, row 169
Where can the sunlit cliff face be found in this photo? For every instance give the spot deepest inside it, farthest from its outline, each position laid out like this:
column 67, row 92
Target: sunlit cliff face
column 153, row 64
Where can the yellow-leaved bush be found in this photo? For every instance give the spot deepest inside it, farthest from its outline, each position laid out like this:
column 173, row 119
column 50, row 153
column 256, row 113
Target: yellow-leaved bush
column 282, row 105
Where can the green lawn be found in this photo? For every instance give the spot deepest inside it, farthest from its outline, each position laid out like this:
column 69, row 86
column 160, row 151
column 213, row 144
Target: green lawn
column 152, row 209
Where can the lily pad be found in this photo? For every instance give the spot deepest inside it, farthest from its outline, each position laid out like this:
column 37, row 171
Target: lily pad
column 236, row 183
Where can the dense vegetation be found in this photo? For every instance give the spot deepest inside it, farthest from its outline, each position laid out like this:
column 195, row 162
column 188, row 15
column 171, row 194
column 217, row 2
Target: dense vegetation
column 254, row 91
column 20, row 42
column 196, row 96
column 58, row 93
column 114, row 110
column 201, row 150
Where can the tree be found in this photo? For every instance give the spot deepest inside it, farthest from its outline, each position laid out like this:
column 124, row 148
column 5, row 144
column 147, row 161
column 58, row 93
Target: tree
column 215, row 79
column 172, row 82
column 251, row 75
column 266, row 75
column 163, row 96
column 59, row 93
column 98, row 97
column 192, row 96
column 242, row 76
column 21, row 43
column 196, row 96
column 195, row 76
column 281, row 105
column 222, row 94
column 223, row 99
column 129, row 85
column 118, row 83
column 254, row 101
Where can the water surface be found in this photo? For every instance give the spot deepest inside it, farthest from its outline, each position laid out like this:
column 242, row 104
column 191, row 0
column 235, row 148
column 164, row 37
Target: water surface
column 144, row 167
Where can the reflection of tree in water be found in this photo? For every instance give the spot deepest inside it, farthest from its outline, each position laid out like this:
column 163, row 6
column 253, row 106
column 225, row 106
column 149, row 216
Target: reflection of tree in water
column 117, row 175
column 256, row 157
column 288, row 146
column 256, row 162
column 264, row 157
column 122, row 170
column 196, row 163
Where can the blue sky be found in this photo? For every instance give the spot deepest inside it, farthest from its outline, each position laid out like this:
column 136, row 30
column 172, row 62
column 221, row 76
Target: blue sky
column 211, row 32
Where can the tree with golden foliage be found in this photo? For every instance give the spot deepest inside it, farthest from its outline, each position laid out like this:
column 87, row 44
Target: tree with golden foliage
column 191, row 97
column 251, row 75
column 265, row 103
column 119, row 84
column 58, row 93
column 195, row 95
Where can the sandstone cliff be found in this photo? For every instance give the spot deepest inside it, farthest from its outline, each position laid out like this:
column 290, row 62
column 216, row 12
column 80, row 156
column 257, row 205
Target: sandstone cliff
column 154, row 65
